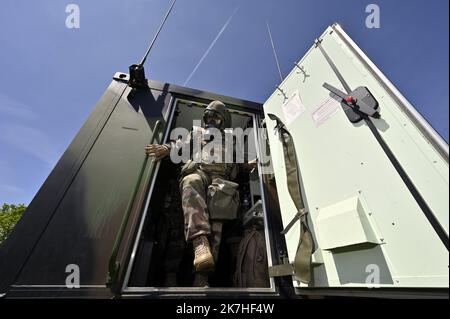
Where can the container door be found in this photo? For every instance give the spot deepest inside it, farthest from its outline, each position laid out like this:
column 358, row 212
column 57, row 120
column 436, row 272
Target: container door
column 77, row 231
column 376, row 190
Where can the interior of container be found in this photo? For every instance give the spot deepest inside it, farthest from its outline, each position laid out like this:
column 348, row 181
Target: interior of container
column 161, row 256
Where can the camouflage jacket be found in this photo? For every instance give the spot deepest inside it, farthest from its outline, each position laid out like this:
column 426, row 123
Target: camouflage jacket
column 215, row 156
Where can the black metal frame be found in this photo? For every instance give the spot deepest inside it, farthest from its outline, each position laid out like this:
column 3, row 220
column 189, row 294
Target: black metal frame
column 283, row 286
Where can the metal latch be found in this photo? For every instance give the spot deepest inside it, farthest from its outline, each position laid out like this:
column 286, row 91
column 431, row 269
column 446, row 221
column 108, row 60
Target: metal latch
column 356, row 103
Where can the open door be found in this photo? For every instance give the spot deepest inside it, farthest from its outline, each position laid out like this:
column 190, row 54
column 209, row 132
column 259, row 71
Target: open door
column 161, row 262
column 374, row 175
column 77, row 231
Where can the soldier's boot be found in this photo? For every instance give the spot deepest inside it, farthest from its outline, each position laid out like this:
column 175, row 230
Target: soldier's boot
column 203, row 260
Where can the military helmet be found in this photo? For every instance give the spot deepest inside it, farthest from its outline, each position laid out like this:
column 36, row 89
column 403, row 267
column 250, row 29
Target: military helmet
column 217, row 110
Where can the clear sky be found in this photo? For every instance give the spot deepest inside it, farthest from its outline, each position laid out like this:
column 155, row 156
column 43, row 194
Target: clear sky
column 51, row 76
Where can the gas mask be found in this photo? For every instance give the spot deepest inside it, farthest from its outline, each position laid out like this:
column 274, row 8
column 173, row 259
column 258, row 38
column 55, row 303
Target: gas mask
column 213, row 119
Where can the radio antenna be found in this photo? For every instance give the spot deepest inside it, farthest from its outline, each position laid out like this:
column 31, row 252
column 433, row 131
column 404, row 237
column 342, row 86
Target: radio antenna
column 157, row 33
column 274, row 51
column 137, row 74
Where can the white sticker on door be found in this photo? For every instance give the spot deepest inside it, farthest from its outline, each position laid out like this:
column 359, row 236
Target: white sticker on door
column 325, row 111
column 293, row 108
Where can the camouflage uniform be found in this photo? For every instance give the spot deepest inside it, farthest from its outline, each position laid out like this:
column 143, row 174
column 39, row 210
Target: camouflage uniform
column 193, row 187
column 197, row 175
column 204, row 165
column 194, row 183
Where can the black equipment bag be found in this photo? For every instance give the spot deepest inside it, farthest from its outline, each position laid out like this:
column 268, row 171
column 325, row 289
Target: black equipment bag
column 251, row 265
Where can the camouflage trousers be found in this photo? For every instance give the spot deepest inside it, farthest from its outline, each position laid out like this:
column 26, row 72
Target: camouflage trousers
column 194, row 202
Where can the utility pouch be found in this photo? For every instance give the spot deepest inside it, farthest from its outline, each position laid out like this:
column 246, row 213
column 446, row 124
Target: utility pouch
column 223, row 199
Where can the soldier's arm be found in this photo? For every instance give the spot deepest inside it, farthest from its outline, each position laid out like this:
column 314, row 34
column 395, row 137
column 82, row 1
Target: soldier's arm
column 160, row 151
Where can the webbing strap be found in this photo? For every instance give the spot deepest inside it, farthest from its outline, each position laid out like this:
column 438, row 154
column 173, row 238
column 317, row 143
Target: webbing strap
column 301, row 268
column 297, row 216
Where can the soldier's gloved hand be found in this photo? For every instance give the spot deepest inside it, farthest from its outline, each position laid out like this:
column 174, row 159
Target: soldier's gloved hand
column 157, row 151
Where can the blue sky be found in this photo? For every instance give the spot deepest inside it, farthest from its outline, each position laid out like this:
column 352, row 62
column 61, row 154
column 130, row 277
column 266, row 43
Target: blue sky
column 53, row 76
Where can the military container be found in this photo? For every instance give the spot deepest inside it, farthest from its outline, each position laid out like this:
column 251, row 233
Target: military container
column 373, row 175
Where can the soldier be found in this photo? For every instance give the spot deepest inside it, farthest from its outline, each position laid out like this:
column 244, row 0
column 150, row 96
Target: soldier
column 196, row 177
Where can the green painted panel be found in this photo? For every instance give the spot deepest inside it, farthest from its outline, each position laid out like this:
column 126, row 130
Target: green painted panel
column 340, row 160
column 86, row 223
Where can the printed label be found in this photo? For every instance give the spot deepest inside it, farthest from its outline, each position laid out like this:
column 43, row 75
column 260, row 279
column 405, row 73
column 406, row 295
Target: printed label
column 325, row 111
column 293, row 108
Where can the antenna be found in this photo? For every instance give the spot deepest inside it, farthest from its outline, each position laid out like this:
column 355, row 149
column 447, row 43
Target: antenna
column 274, row 51
column 137, row 73
column 157, row 33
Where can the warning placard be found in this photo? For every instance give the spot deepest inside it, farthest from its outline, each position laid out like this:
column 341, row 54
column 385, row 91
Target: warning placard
column 324, row 111
column 293, row 108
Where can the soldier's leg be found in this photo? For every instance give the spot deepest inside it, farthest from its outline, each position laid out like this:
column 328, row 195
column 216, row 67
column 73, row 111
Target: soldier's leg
column 197, row 227
column 202, row 278
column 193, row 196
